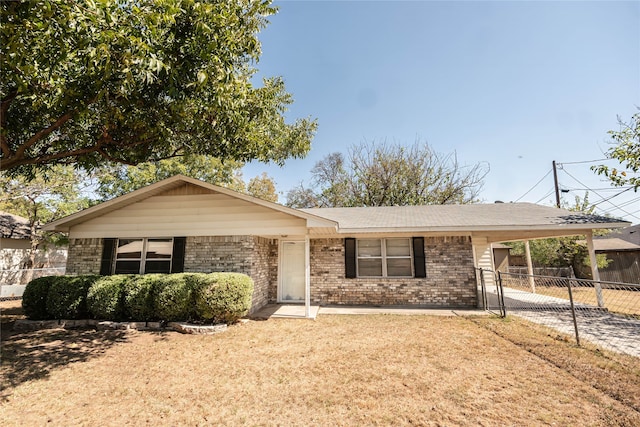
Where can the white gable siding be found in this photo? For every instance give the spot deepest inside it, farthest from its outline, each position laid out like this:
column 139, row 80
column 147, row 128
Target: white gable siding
column 190, row 215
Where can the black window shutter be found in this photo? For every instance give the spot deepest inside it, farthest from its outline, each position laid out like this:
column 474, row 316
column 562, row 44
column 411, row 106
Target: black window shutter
column 108, row 252
column 419, row 267
column 177, row 258
column 350, row 258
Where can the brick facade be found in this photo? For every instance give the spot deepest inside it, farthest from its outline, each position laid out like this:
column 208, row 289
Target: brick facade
column 84, row 256
column 450, row 277
column 251, row 255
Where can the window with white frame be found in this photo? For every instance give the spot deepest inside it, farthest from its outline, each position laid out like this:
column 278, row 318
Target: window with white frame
column 384, row 257
column 140, row 256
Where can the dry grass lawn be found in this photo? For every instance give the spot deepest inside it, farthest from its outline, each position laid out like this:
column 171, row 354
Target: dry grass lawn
column 337, row 370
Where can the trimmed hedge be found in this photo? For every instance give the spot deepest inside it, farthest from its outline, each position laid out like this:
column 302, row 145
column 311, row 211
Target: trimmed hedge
column 174, row 298
column 226, row 298
column 34, row 298
column 105, row 299
column 218, row 297
column 67, row 297
column 139, row 297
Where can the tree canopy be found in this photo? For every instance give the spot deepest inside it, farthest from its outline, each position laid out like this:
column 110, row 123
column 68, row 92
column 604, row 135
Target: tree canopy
column 390, row 174
column 115, row 179
column 626, row 150
column 90, row 81
column 263, row 187
column 46, row 197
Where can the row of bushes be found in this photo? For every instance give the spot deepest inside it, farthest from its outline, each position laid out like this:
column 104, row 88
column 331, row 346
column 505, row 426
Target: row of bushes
column 217, row 297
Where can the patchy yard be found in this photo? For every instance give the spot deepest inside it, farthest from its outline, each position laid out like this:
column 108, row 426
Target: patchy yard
column 337, row 370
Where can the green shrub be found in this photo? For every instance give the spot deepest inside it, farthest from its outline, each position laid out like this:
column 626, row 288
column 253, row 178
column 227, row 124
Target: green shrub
column 139, row 297
column 34, row 298
column 105, row 299
column 225, row 298
column 67, row 297
column 173, row 298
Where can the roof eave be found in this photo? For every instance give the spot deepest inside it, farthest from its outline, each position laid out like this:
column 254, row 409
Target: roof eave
column 470, row 229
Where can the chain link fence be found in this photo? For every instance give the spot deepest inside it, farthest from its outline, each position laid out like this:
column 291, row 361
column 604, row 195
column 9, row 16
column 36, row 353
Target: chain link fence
column 606, row 314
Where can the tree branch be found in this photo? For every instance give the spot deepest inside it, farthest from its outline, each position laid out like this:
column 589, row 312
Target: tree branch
column 4, row 107
column 44, row 132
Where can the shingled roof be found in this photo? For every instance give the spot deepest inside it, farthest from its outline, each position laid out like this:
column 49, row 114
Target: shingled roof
column 474, row 217
column 14, row 226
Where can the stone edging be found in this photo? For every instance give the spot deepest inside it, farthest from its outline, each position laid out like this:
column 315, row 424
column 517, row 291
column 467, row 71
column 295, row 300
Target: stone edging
column 185, row 328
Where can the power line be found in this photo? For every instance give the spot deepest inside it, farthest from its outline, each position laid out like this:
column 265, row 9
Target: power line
column 595, row 189
column 599, row 195
column 611, row 197
column 584, row 161
column 534, row 186
column 546, row 195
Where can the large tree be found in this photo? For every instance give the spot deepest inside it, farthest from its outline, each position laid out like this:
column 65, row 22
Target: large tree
column 115, row 179
column 390, row 175
column 263, row 187
column 47, row 196
column 88, row 81
column 626, row 150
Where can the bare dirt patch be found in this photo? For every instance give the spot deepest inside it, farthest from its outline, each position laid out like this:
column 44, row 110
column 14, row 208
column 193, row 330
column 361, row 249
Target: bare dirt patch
column 337, row 370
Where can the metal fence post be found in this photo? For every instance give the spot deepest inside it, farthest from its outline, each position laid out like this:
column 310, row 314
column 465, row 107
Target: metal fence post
column 485, row 304
column 573, row 312
column 503, row 308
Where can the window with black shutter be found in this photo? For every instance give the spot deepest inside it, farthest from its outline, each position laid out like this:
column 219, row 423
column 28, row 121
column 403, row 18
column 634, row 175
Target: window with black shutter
column 387, row 257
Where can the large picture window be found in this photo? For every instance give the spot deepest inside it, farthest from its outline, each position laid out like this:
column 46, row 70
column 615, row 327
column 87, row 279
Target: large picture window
column 384, row 257
column 140, row 256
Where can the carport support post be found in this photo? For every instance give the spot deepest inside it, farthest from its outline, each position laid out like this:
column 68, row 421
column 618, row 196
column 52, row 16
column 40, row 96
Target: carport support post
column 594, row 268
column 532, row 280
column 307, row 278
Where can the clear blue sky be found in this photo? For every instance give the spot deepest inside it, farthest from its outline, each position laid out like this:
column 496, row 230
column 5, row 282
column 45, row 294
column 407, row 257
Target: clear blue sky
column 516, row 84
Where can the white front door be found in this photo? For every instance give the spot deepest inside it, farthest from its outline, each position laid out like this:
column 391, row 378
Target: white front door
column 292, row 271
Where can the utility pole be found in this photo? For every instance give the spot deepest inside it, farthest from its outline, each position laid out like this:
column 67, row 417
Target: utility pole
column 555, row 181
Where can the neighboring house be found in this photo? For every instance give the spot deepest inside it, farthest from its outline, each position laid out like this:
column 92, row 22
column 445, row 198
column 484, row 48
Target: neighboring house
column 405, row 255
column 15, row 247
column 15, row 232
column 622, row 248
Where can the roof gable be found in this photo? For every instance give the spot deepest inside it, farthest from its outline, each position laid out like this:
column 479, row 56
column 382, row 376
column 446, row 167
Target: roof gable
column 176, row 187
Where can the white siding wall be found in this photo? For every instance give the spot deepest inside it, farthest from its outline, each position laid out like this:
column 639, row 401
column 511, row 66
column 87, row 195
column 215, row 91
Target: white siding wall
column 190, row 215
column 484, row 258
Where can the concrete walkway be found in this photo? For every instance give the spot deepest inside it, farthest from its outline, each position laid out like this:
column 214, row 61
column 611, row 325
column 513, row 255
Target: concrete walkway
column 298, row 311
column 402, row 310
column 285, row 311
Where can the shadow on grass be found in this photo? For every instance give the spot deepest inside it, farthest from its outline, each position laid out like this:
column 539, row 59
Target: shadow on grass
column 33, row 355
column 11, row 312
